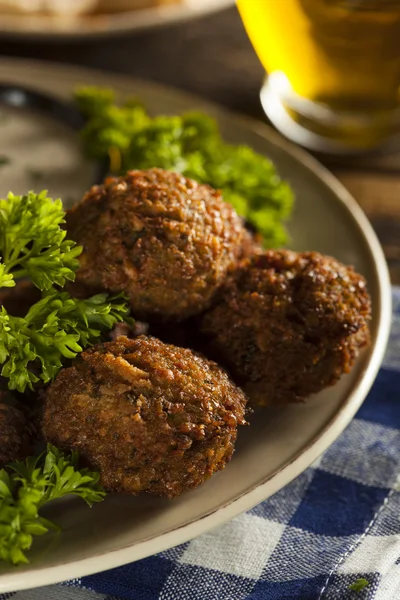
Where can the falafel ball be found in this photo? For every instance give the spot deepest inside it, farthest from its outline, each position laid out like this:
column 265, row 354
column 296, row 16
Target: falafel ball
column 165, row 240
column 150, row 417
column 288, row 325
column 16, row 433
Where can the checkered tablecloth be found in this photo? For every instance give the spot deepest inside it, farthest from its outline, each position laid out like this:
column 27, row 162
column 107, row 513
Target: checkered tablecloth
column 333, row 530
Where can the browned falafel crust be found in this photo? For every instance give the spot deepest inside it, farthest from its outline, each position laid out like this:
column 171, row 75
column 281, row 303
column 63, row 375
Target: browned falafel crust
column 16, row 434
column 288, row 325
column 149, row 416
column 165, row 240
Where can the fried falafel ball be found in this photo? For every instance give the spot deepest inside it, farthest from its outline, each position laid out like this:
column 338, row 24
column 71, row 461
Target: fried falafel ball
column 16, row 433
column 165, row 240
column 288, row 325
column 150, row 417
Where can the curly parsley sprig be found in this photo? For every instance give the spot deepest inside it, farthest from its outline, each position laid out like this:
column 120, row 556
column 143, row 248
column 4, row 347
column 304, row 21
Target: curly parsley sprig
column 190, row 144
column 26, row 486
column 57, row 327
column 33, row 244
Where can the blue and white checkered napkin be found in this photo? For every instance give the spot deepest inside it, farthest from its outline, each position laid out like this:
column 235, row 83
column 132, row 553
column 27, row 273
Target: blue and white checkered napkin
column 337, row 523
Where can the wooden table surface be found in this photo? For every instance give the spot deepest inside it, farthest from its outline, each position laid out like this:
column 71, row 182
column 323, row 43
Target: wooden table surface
column 212, row 56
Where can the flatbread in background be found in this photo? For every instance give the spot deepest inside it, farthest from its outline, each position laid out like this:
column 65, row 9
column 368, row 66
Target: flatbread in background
column 68, row 8
column 53, row 7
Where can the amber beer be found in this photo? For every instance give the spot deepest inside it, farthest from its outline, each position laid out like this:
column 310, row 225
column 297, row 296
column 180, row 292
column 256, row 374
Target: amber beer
column 333, row 68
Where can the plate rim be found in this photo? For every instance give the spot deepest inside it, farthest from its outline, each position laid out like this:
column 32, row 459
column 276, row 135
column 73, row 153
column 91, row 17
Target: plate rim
column 107, row 24
column 114, row 558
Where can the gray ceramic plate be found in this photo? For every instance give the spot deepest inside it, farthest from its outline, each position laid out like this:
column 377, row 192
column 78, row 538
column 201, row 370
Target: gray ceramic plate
column 278, row 445
column 124, row 19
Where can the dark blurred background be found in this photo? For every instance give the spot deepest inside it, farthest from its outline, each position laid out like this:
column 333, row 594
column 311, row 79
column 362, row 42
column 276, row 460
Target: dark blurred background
column 211, row 56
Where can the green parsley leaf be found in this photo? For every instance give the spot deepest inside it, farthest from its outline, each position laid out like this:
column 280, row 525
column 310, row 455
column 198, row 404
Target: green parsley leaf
column 359, row 585
column 92, row 100
column 192, row 145
column 6, row 279
column 57, row 327
column 32, row 243
column 26, row 486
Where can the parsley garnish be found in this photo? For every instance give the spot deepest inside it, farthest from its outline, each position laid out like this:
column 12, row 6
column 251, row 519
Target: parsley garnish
column 33, row 244
column 26, row 486
column 191, row 144
column 359, row 585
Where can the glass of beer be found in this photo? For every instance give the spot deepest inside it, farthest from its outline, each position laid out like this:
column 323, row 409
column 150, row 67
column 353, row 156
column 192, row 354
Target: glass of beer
column 333, row 70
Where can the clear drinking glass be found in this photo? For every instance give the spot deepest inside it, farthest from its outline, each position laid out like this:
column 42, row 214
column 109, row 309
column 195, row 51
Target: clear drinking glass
column 333, row 69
